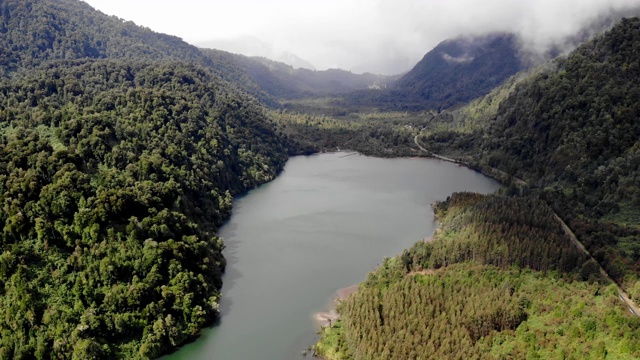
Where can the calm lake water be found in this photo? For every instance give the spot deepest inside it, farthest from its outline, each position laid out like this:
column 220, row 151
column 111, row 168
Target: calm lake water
column 322, row 225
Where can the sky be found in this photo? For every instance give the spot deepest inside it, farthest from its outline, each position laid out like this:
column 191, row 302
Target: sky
column 379, row 36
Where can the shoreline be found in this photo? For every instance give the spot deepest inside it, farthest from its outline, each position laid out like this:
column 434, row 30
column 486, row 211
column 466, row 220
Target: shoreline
column 324, row 318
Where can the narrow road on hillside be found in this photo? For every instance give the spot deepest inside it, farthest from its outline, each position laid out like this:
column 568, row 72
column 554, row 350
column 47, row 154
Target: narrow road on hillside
column 633, row 307
column 415, row 140
column 492, row 172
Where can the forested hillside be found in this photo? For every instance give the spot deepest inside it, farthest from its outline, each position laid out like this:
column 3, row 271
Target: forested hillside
column 37, row 31
column 454, row 72
column 571, row 131
column 500, row 281
column 114, row 177
column 120, row 152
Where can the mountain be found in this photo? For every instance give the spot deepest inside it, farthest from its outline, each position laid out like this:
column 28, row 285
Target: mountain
column 502, row 278
column 35, row 32
column 120, row 152
column 454, row 72
column 457, row 71
column 570, row 130
column 254, row 47
column 283, row 81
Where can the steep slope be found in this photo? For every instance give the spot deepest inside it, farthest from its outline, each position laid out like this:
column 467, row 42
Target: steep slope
column 37, row 31
column 454, row 72
column 463, row 69
column 120, row 152
column 574, row 131
column 571, row 131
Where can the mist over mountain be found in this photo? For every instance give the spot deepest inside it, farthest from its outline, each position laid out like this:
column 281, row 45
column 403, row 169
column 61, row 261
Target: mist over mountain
column 382, row 37
column 252, row 46
column 454, row 72
column 283, row 81
column 462, row 69
column 121, row 149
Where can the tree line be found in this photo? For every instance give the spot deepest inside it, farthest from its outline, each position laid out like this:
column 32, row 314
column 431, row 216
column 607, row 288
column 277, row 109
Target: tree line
column 431, row 303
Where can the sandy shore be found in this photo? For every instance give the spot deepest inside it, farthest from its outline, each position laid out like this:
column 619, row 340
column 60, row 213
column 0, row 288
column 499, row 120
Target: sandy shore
column 323, row 318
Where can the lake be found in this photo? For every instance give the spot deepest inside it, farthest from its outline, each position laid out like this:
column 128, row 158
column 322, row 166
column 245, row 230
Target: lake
column 322, row 225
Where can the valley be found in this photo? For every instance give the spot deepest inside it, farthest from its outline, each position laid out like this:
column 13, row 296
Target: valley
column 322, row 225
column 159, row 198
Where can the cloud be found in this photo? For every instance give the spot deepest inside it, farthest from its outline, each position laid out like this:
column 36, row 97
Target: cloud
column 383, row 36
column 540, row 24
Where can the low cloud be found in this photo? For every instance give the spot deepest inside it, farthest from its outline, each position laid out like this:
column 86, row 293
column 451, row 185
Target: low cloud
column 381, row 36
column 542, row 26
column 390, row 36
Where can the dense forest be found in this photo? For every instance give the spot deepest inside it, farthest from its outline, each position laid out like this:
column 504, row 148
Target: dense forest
column 36, row 31
column 381, row 135
column 113, row 179
column 33, row 32
column 499, row 281
column 120, row 152
column 570, row 130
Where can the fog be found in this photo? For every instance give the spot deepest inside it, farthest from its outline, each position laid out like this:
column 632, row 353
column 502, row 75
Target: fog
column 379, row 36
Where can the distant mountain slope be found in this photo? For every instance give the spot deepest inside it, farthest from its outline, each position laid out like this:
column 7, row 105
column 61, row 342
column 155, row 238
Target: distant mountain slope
column 454, row 72
column 254, row 47
column 284, row 81
column 462, row 69
column 34, row 31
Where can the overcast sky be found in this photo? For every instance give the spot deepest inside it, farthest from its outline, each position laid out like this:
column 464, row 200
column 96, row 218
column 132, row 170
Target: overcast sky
column 382, row 36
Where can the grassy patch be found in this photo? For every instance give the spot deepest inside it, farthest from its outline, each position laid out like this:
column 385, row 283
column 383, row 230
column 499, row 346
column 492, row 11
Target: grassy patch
column 332, row 345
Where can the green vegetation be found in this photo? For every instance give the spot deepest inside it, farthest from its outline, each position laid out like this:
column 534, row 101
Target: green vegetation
column 34, row 32
column 121, row 150
column 282, row 81
column 37, row 31
column 485, row 289
column 114, row 177
column 570, row 131
column 376, row 134
column 453, row 73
